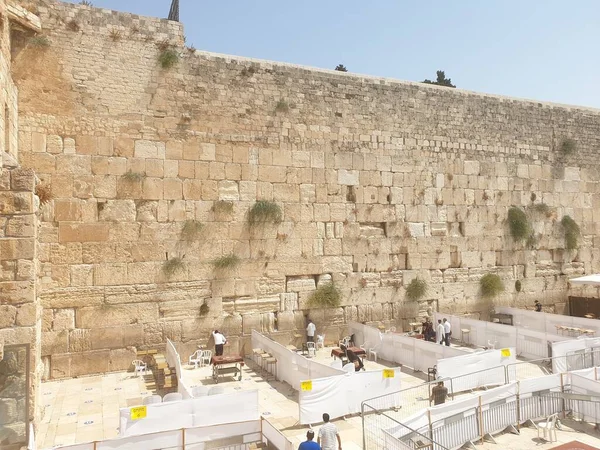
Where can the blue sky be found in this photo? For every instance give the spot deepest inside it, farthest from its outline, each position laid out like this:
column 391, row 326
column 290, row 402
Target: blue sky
column 539, row 49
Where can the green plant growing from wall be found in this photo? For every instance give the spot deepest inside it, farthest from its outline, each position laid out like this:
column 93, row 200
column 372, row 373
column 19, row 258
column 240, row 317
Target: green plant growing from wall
column 572, row 232
column 191, row 230
column 542, row 208
column 168, row 58
column 226, row 262
column 518, row 286
column 282, row 106
column 491, row 285
column 115, row 35
column 568, row 146
column 263, row 212
column 416, row 289
column 39, row 41
column 44, row 193
column 325, row 296
column 133, row 177
column 520, row 229
column 172, row 266
column 222, row 207
column 204, row 309
column 86, row 3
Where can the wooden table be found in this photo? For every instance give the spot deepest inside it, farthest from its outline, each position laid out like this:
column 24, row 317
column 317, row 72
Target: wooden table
column 339, row 353
column 225, row 365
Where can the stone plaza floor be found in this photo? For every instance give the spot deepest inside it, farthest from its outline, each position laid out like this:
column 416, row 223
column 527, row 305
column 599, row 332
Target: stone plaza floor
column 87, row 409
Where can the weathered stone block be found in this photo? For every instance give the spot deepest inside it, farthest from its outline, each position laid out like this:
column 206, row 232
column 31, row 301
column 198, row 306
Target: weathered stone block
column 83, row 232
column 110, row 315
column 55, row 342
column 64, row 319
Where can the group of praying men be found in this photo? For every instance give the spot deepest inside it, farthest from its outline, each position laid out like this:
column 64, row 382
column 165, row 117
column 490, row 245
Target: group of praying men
column 442, row 333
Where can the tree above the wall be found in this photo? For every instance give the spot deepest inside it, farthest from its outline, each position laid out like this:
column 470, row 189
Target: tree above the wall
column 341, row 68
column 441, row 80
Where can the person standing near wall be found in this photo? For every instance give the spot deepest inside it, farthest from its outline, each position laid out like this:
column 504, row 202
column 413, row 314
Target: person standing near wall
column 328, row 434
column 537, row 306
column 310, row 331
column 439, row 394
column 440, row 335
column 220, row 341
column 447, row 332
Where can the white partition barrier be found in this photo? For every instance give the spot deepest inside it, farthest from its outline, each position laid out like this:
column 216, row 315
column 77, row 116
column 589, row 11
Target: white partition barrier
column 542, row 321
column 204, row 411
column 342, row 395
column 292, row 367
column 174, row 360
column 476, row 369
column 408, row 351
column 195, row 438
column 587, row 411
column 566, row 352
column 529, row 343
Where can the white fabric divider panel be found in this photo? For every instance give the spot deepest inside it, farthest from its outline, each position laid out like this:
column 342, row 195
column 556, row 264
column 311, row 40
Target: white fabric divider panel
column 239, row 406
column 427, row 354
column 589, row 373
column 78, row 447
column 584, row 386
column 545, row 383
column 475, row 369
column 343, row 394
column 563, row 348
column 204, row 411
column 365, row 335
column 172, row 355
column 392, row 443
column 274, row 436
column 165, row 439
column 214, row 432
column 547, row 322
column 292, row 367
column 414, row 422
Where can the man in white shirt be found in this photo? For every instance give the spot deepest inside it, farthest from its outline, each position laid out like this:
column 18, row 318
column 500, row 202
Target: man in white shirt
column 310, row 331
column 328, row 434
column 220, row 341
column 447, row 332
column 440, row 334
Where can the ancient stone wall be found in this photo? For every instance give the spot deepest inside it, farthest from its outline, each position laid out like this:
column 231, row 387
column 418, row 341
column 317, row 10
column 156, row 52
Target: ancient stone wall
column 379, row 181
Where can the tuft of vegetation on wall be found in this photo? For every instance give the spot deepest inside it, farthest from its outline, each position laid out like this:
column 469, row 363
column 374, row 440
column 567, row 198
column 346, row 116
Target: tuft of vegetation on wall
column 191, row 230
column 263, row 212
column 491, row 285
column 168, row 58
column 325, row 296
column 172, row 266
column 44, row 193
column 518, row 286
column 226, row 262
column 572, row 232
column 520, row 229
column 568, row 146
column 416, row 289
column 133, row 176
column 204, row 309
column 282, row 106
column 222, row 207
column 39, row 41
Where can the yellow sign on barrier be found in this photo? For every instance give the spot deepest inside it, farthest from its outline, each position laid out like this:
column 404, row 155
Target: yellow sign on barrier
column 138, row 412
column 389, row 373
column 306, row 385
column 505, row 352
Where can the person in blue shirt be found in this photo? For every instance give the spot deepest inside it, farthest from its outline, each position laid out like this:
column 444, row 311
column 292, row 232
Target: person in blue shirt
column 309, row 444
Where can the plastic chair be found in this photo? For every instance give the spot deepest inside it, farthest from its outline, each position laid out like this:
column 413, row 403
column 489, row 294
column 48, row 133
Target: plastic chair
column 140, row 367
column 548, row 427
column 152, row 400
column 196, row 358
column 311, row 347
column 200, row 391
column 206, row 357
column 320, row 341
column 172, row 397
column 216, row 390
column 349, row 368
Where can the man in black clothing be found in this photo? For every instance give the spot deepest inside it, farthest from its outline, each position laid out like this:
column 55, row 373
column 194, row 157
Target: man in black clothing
column 538, row 306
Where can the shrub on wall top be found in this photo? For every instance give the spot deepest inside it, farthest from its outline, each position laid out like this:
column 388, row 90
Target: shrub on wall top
column 168, row 58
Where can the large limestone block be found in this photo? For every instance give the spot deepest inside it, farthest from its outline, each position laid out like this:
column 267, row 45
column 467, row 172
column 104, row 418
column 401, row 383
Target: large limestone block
column 17, row 292
column 60, row 366
column 63, row 319
column 90, row 362
column 55, row 342
column 8, row 315
column 289, row 301
column 228, row 190
column 111, row 315
column 303, row 284
column 149, row 149
column 79, row 341
column 27, row 315
column 118, row 211
column 120, row 359
column 82, row 232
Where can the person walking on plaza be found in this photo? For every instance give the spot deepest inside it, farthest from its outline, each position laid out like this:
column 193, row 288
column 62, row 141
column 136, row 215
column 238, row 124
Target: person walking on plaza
column 538, row 306
column 328, row 434
column 440, row 335
column 439, row 394
column 220, row 341
column 309, row 444
column 447, row 332
column 310, row 331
